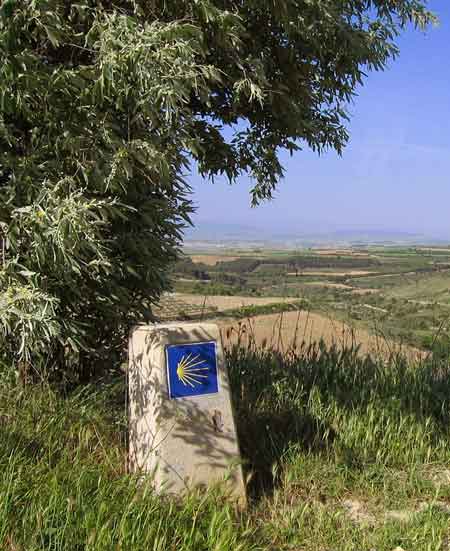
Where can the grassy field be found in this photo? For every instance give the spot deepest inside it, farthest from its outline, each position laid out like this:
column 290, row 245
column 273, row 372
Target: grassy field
column 341, row 453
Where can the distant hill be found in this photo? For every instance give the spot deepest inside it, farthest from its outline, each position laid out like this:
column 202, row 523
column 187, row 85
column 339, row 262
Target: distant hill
column 211, row 234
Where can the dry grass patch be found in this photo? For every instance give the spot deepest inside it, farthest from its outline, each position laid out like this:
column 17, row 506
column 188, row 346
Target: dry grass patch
column 212, row 259
column 329, row 285
column 365, row 291
column 343, row 286
column 290, row 329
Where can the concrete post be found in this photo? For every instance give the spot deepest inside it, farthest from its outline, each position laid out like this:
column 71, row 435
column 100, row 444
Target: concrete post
column 181, row 424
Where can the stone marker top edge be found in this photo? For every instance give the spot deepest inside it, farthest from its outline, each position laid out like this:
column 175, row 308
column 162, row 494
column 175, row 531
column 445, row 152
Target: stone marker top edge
column 174, row 325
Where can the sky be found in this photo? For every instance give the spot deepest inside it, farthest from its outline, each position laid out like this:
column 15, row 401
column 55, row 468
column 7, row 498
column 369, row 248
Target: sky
column 394, row 174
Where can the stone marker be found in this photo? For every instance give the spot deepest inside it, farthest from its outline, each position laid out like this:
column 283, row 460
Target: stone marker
column 180, row 418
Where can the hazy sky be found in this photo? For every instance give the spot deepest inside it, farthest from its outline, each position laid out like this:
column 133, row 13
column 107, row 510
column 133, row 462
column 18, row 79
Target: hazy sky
column 395, row 171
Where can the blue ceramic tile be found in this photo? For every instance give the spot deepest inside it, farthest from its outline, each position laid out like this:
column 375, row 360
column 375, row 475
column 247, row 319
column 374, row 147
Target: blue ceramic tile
column 192, row 369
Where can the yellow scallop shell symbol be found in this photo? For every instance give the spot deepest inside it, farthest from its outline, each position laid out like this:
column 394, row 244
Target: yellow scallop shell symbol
column 190, row 371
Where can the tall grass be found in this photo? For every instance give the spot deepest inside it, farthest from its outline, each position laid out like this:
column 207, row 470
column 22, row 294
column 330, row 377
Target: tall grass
column 317, row 426
column 63, row 485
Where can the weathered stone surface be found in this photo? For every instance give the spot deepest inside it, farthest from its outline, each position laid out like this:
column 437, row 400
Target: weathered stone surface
column 185, row 441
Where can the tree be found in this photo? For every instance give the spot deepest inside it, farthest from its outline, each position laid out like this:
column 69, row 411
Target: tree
column 104, row 105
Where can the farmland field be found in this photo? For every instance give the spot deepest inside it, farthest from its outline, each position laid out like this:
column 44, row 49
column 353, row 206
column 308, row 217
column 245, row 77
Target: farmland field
column 396, row 294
